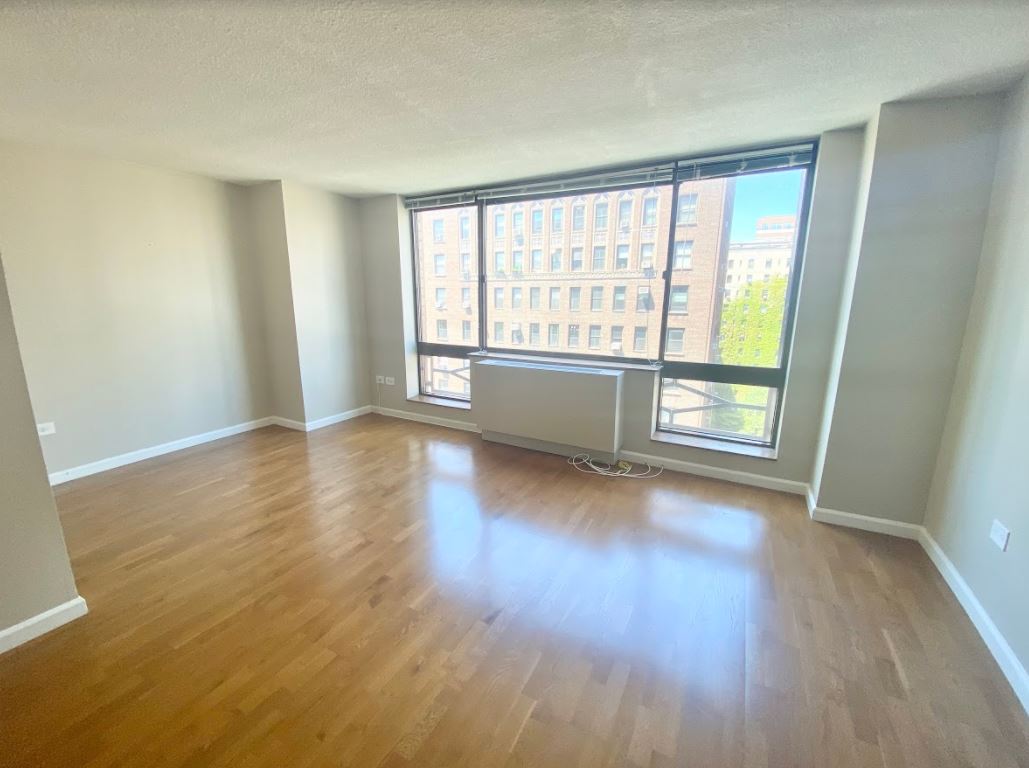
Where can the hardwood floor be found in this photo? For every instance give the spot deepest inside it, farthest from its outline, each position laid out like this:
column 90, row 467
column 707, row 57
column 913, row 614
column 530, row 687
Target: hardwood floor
column 385, row 593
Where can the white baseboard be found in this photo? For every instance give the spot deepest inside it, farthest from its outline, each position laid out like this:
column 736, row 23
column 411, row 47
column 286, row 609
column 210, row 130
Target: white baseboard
column 279, row 421
column 41, row 623
column 1008, row 662
column 466, row 426
column 865, row 522
column 718, row 473
column 337, row 418
column 84, row 470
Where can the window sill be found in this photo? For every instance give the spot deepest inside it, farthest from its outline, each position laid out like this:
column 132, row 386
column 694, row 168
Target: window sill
column 446, row 402
column 568, row 361
column 713, row 444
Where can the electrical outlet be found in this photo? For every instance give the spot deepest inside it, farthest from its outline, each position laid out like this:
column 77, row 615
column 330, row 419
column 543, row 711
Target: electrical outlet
column 1000, row 535
column 390, row 381
column 46, row 428
column 380, row 379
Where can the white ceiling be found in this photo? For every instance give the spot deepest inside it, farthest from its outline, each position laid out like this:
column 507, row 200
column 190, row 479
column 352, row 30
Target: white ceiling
column 394, row 96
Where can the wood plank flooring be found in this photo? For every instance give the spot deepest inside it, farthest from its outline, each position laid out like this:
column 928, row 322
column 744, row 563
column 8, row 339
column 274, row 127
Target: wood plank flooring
column 385, row 593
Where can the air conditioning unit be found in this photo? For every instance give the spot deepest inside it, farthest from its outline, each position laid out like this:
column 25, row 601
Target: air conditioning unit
column 616, row 347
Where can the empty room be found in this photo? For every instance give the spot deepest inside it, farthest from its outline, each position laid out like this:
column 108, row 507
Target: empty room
column 514, row 384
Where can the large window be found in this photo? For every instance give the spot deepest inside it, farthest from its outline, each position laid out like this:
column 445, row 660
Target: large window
column 690, row 266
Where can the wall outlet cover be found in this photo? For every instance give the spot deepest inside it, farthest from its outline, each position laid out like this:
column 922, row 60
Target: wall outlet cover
column 380, row 379
column 1000, row 535
column 46, row 428
column 390, row 381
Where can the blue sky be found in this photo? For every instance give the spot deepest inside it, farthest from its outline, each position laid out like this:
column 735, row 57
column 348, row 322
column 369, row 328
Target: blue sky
column 763, row 194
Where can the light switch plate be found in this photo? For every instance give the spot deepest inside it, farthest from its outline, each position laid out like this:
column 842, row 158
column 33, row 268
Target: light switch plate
column 390, row 381
column 46, row 428
column 380, row 379
column 1000, row 535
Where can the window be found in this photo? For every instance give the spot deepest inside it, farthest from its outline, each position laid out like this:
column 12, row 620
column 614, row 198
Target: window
column 557, row 219
column 537, row 221
column 573, row 335
column 676, row 341
column 683, row 256
column 649, row 211
column 727, row 382
column 618, row 305
column 625, row 213
column 687, row 215
column 678, row 299
column 647, row 256
column 578, row 218
column 639, row 338
column 622, row 257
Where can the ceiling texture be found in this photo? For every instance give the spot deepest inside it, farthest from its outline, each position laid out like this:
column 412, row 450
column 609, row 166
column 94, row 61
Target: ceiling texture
column 393, row 96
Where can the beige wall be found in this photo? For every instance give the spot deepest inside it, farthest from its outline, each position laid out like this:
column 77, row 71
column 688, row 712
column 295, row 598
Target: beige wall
column 388, row 270
column 323, row 233
column 981, row 472
column 34, row 571
column 927, row 202
column 135, row 299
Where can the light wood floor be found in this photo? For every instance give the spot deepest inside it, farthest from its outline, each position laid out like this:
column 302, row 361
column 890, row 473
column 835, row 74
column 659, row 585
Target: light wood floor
column 389, row 593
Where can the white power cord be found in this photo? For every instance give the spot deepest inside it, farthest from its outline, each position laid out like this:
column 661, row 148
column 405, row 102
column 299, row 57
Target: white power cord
column 584, row 463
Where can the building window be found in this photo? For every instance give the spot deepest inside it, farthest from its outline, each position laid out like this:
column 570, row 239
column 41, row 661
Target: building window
column 678, row 299
column 682, row 258
column 534, row 298
column 576, row 259
column 466, row 264
column 498, row 332
column 649, row 211
column 498, row 224
column 498, row 298
column 516, row 334
column 466, row 330
column 647, row 256
column 687, row 214
column 639, row 338
column 441, row 330
column 616, row 339
column 573, row 335
column 600, row 215
column 555, row 260
column 622, row 257
column 557, row 219
column 537, row 221
column 555, row 298
column 516, row 297
column 466, row 298
column 594, row 340
column 596, row 298
column 441, row 298
column 553, row 334
column 437, row 231
column 599, row 258
column 517, row 261
column 578, row 218
column 618, row 305
column 465, row 227
column 644, row 299
column 537, row 259
column 439, row 264
column 625, row 213
column 534, row 334
column 574, row 298
column 676, row 339
column 499, row 262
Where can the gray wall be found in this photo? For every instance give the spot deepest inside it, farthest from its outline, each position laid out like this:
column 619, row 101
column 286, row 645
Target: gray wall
column 928, row 197
column 981, row 472
column 34, row 571
column 323, row 233
column 386, row 236
column 135, row 301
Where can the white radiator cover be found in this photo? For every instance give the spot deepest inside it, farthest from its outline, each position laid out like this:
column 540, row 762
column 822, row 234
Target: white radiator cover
column 561, row 409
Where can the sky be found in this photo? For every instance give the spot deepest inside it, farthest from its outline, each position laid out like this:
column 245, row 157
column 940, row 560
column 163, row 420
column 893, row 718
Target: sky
column 763, row 194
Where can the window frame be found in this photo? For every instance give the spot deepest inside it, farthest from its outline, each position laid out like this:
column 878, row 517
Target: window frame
column 684, row 170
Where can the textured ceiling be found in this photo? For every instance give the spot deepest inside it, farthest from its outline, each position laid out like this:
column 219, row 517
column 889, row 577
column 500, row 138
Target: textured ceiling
column 367, row 97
